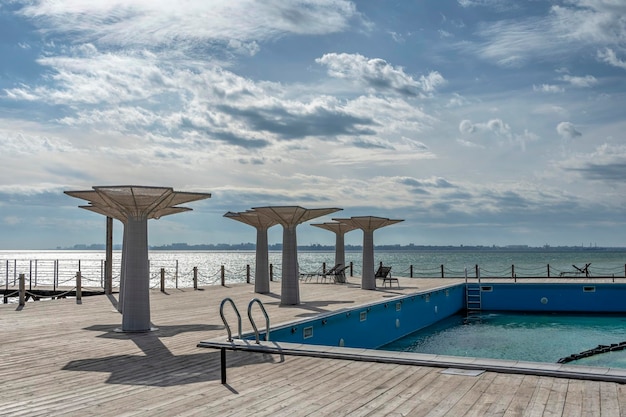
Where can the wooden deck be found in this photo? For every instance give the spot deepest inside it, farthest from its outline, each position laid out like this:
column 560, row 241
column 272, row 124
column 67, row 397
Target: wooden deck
column 62, row 358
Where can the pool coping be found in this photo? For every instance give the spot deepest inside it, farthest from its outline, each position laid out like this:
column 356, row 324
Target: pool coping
column 420, row 359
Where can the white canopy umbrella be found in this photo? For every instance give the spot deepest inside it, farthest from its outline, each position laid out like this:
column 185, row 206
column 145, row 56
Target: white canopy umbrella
column 368, row 224
column 290, row 217
column 133, row 206
column 340, row 229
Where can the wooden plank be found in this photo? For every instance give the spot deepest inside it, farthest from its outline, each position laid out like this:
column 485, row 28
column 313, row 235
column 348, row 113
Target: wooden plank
column 573, row 399
column 502, row 391
column 60, row 358
column 539, row 399
column 609, row 403
column 522, row 396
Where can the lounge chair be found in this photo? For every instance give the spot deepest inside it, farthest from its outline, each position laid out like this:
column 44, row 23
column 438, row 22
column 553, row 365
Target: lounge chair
column 384, row 273
column 319, row 274
column 340, row 275
column 308, row 276
column 330, row 274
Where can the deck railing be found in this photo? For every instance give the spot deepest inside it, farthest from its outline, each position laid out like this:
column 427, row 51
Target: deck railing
column 62, row 273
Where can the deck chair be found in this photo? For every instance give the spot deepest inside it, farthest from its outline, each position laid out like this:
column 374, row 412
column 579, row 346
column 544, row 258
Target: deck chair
column 384, row 273
column 330, row 274
column 308, row 276
column 340, row 275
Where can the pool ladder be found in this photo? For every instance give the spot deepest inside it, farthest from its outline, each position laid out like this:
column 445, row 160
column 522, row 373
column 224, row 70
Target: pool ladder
column 473, row 297
column 473, row 294
column 252, row 322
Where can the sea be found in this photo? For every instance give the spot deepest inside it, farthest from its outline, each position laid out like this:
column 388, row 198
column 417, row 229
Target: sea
column 59, row 267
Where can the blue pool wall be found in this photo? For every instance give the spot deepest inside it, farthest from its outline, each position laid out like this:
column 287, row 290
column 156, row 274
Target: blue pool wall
column 554, row 298
column 373, row 325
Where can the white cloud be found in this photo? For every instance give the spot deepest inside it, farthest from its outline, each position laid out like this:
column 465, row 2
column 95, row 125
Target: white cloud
column 583, row 82
column 609, row 56
column 567, row 130
column 466, row 126
column 397, row 37
column 496, row 126
column 606, row 163
column 494, row 129
column 456, row 100
column 548, row 88
column 378, row 74
column 431, row 81
column 574, row 25
column 162, row 22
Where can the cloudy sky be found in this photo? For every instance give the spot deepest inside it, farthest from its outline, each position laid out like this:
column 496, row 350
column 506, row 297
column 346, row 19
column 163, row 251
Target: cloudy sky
column 478, row 122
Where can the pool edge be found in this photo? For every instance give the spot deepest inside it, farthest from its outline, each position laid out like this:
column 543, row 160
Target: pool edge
column 419, row 359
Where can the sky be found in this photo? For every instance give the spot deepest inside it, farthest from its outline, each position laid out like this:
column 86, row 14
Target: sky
column 477, row 122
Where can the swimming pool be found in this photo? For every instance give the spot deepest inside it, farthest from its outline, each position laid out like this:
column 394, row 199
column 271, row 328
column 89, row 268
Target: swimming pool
column 373, row 325
column 357, row 333
column 519, row 336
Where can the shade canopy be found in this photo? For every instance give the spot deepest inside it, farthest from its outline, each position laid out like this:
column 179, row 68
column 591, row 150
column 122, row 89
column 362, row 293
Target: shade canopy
column 121, row 202
column 133, row 205
column 252, row 218
column 340, row 229
column 368, row 224
column 290, row 217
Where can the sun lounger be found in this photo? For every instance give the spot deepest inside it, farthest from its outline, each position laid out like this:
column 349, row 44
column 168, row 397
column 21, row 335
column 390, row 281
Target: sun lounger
column 384, row 273
column 320, row 275
column 340, row 275
column 330, row 274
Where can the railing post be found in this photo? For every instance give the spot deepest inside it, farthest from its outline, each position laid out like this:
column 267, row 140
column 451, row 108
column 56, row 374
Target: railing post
column 79, row 291
column 476, row 269
column 351, row 269
column 223, row 364
column 195, row 277
column 548, row 270
column 272, row 272
column 411, row 271
column 323, row 267
column 55, row 278
column 513, row 271
column 22, row 292
column 223, row 276
column 442, row 275
column 248, row 273
column 162, row 279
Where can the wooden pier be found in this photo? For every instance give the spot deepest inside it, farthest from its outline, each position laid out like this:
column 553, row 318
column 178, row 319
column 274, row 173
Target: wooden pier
column 63, row 358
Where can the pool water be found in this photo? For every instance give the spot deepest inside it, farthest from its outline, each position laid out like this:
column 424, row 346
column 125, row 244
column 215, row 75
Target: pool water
column 518, row 336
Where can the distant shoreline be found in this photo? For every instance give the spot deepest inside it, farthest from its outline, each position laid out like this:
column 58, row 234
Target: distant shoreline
column 318, row 247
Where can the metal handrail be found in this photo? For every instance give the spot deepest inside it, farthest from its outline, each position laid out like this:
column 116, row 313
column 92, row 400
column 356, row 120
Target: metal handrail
column 267, row 320
column 232, row 303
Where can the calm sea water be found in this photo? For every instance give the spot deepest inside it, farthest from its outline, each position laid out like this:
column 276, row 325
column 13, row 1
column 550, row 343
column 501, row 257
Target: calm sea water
column 44, row 267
